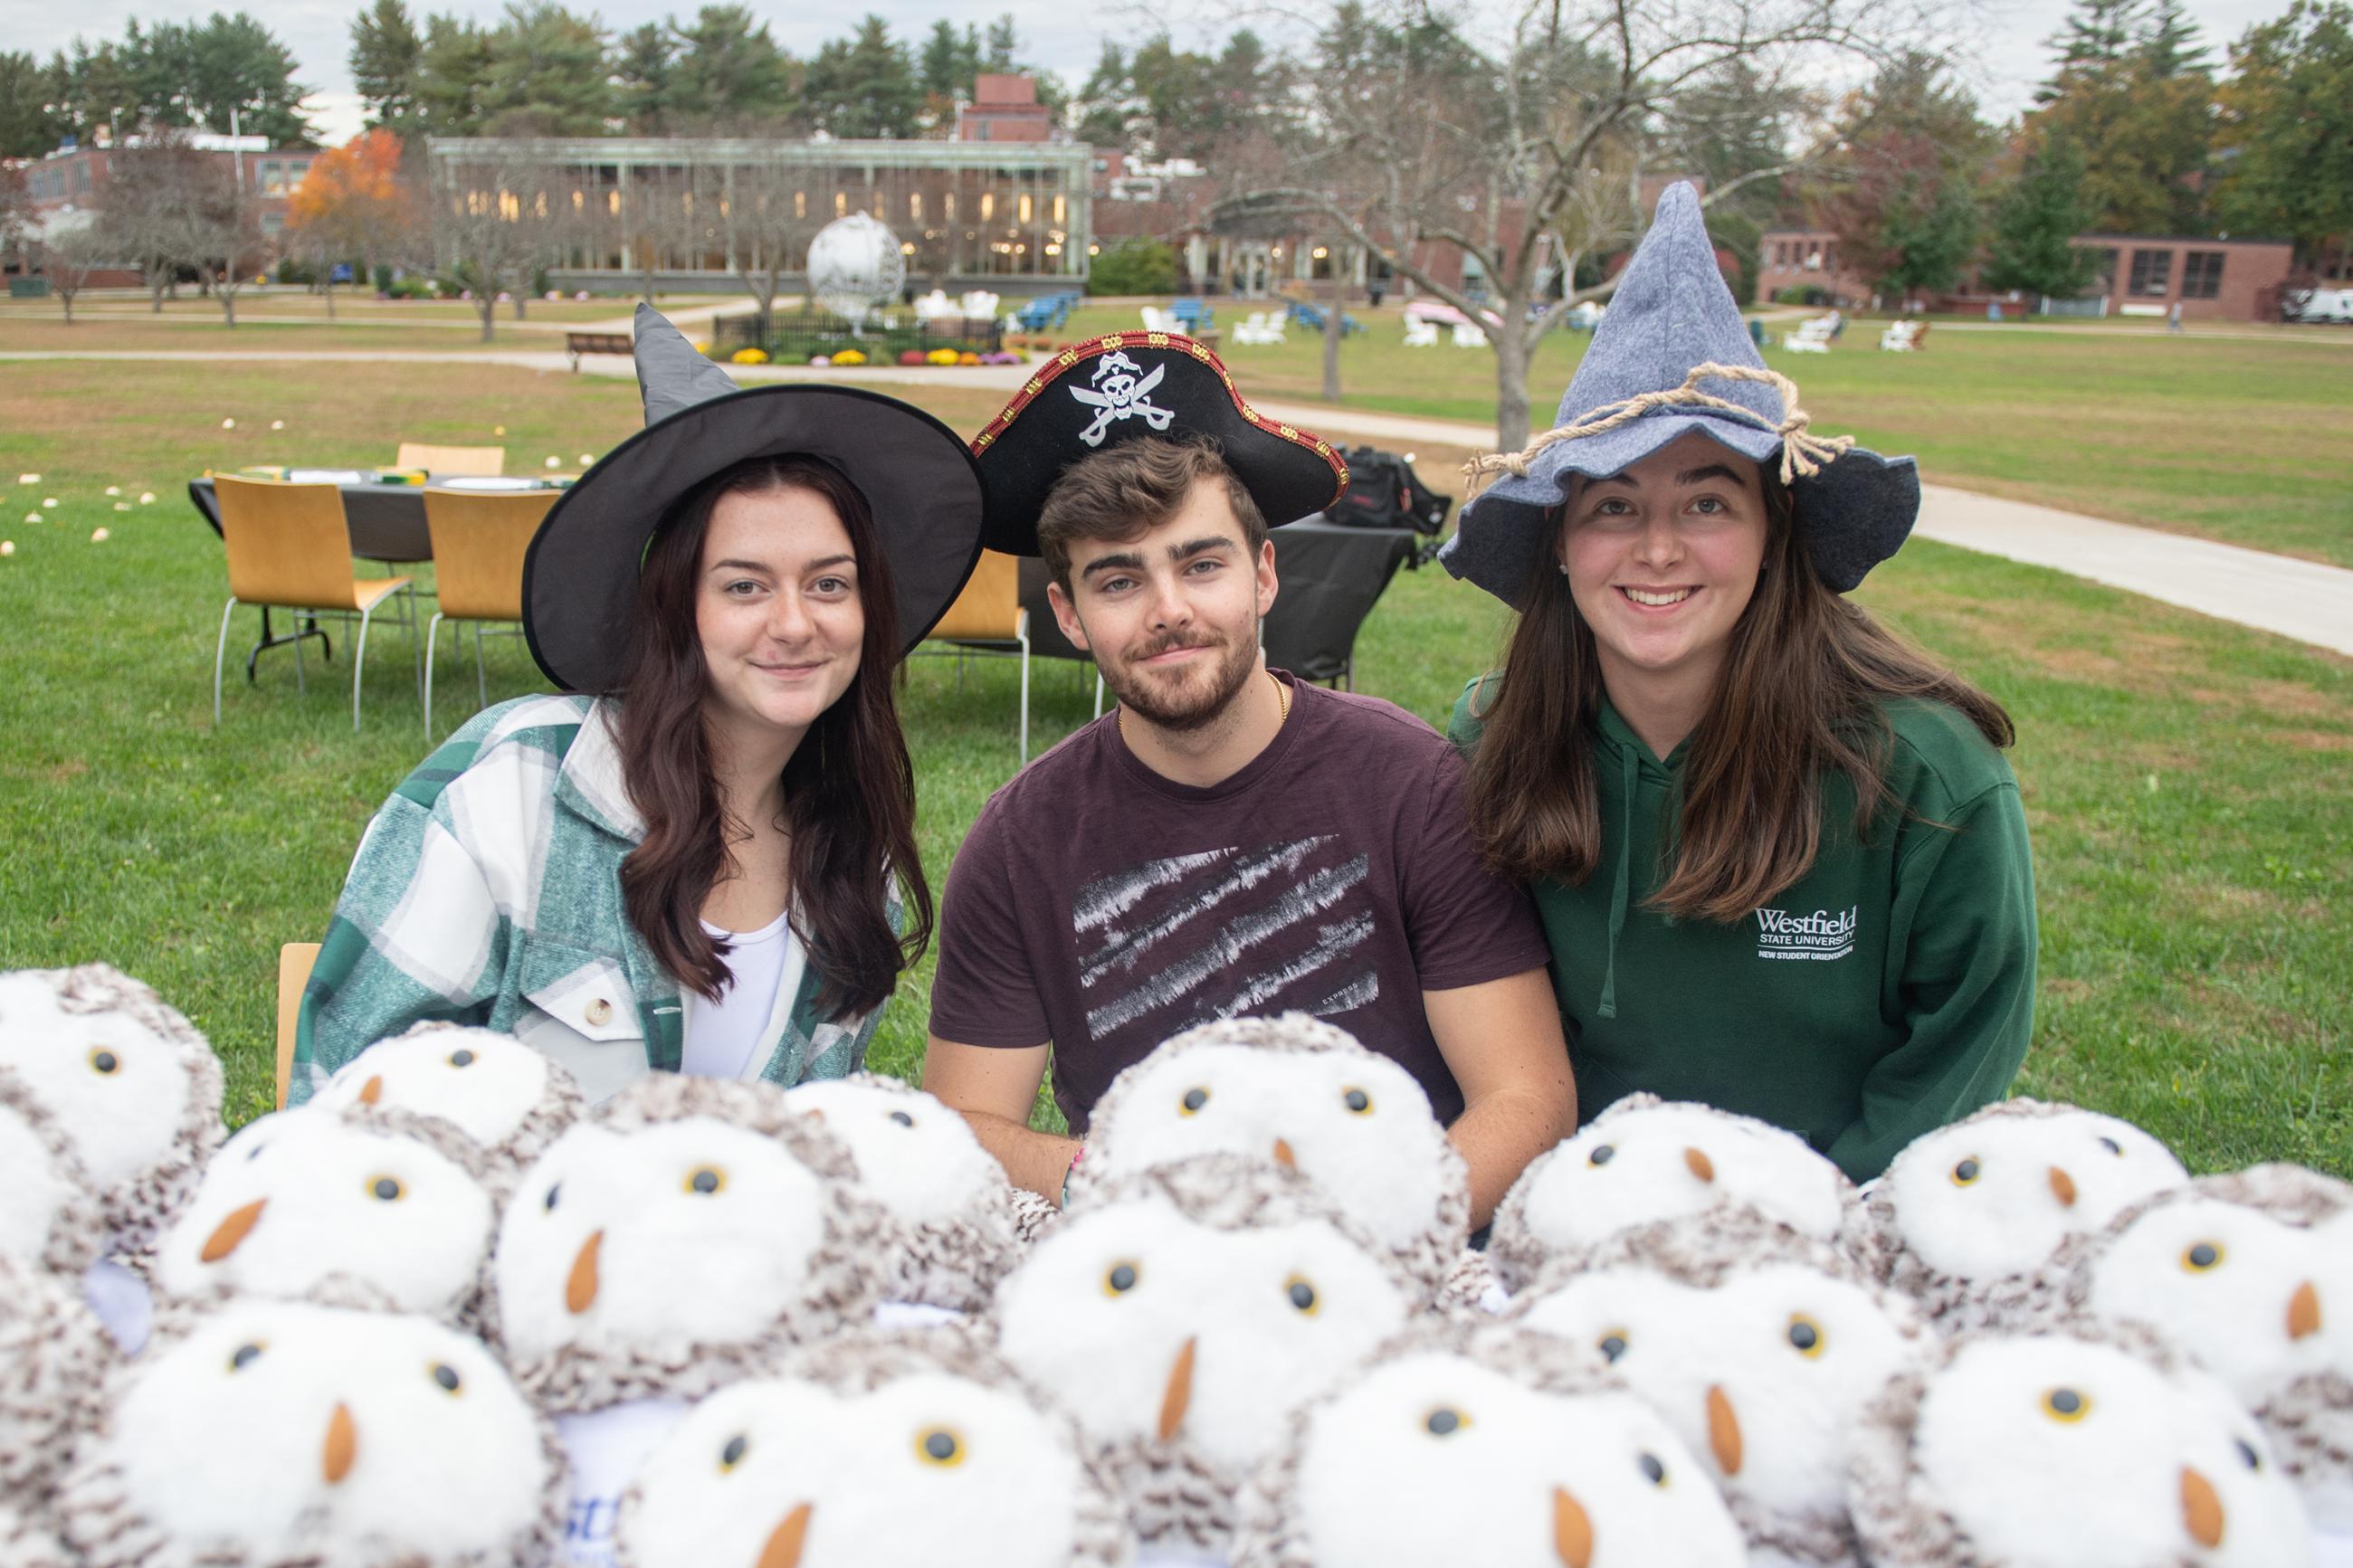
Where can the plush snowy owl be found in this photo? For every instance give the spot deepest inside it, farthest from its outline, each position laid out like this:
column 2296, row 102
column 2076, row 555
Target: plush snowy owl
column 954, row 1230
column 508, row 1097
column 1303, row 1093
column 2251, row 1276
column 50, row 1218
column 282, row 1432
column 1645, row 1159
column 53, row 1358
column 1485, row 1444
column 26, row 1541
column 2086, row 1447
column 128, row 1082
column 680, row 1237
column 1758, row 1346
column 388, row 1199
column 1970, row 1218
column 1184, row 1314
column 876, row 1450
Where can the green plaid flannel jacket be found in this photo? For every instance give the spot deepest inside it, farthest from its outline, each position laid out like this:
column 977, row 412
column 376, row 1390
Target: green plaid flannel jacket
column 486, row 890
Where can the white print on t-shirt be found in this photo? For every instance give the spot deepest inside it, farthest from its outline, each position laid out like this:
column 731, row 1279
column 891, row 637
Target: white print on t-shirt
column 1823, row 934
column 1146, row 943
column 606, row 1449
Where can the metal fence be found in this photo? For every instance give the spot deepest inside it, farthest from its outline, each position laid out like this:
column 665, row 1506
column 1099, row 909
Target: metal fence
column 803, row 335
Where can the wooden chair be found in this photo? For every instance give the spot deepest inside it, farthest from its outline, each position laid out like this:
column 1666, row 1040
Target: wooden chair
column 294, row 963
column 988, row 613
column 479, row 543
column 473, row 462
column 289, row 546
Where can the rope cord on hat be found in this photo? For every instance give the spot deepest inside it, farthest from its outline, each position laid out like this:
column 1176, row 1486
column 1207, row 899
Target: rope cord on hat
column 1802, row 452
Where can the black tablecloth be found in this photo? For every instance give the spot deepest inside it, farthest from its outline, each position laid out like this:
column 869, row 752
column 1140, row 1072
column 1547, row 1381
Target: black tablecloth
column 387, row 521
column 1330, row 578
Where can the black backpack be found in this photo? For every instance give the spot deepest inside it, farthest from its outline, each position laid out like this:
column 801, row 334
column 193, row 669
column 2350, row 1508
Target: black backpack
column 1385, row 492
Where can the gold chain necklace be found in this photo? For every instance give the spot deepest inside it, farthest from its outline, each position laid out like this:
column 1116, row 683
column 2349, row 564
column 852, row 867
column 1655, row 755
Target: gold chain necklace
column 1281, row 696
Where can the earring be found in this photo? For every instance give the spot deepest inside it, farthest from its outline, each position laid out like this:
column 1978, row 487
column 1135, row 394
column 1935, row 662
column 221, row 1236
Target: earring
column 1563, row 567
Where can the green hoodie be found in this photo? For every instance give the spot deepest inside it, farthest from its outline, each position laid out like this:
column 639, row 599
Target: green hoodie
column 1887, row 991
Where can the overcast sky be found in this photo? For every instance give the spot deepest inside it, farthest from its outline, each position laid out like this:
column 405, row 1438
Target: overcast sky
column 1063, row 37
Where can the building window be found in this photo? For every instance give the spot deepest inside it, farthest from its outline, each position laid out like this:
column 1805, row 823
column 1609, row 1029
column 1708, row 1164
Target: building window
column 272, row 177
column 82, row 177
column 915, row 205
column 841, row 204
column 2152, row 272
column 2201, row 274
column 987, row 205
column 1059, row 210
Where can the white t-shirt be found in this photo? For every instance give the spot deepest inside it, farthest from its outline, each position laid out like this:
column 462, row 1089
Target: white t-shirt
column 730, row 1037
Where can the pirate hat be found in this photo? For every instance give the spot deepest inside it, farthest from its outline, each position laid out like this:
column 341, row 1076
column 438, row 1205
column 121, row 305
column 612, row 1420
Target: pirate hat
column 1674, row 356
column 1126, row 386
column 580, row 578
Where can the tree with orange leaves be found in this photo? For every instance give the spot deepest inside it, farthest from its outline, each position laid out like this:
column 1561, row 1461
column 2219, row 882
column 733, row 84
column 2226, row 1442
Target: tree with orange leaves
column 353, row 202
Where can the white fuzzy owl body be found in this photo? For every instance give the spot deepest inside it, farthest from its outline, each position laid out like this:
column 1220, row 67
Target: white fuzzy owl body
column 49, row 1221
column 385, row 1199
column 682, row 1235
column 1484, row 1445
column 955, row 1229
column 875, row 1450
column 1303, row 1093
column 2081, row 1448
column 1759, row 1346
column 1645, row 1160
column 2251, row 1274
column 279, row 1432
column 1970, row 1218
column 54, row 1356
column 126, row 1081
column 508, row 1098
column 1184, row 1314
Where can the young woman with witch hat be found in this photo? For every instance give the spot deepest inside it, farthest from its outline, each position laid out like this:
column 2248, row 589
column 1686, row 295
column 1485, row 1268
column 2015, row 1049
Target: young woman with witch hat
column 1781, row 862
column 705, row 860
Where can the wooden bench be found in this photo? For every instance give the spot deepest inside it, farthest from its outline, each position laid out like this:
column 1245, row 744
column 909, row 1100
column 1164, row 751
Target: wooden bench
column 578, row 344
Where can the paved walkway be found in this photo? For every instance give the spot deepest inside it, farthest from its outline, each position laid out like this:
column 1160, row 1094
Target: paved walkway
column 2306, row 600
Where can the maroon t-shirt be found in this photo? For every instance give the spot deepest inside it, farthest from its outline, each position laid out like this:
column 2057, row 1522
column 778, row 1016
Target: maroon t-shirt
column 1102, row 907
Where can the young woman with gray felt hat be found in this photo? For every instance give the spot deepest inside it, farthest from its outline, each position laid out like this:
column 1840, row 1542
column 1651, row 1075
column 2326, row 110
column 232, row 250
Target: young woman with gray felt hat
column 1780, row 861
column 702, row 858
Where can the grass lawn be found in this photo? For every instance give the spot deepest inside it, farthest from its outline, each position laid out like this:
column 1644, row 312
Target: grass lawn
column 2185, row 780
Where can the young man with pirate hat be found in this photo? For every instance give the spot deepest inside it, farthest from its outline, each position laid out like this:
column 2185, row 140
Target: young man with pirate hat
column 1229, row 841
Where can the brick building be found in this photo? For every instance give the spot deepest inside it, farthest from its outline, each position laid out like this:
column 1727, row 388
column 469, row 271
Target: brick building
column 71, row 181
column 1004, row 109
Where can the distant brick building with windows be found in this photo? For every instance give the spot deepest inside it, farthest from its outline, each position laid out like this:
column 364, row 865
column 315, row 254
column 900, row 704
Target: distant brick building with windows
column 72, row 181
column 1004, row 109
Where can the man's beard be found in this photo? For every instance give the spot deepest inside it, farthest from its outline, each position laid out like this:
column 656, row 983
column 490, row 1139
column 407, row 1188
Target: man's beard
column 1200, row 701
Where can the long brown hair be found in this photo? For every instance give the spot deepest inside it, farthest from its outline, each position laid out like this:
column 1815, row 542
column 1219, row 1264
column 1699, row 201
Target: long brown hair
column 850, row 787
column 1800, row 695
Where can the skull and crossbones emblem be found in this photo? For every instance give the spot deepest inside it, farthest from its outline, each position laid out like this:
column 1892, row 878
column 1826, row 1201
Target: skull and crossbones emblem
column 1121, row 390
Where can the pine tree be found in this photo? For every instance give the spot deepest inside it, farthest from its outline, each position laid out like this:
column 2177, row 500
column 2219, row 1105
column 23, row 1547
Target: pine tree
column 547, row 74
column 386, row 49
column 2034, row 223
column 865, row 85
column 728, row 71
column 2095, row 35
column 1004, row 48
column 642, row 67
column 2170, row 44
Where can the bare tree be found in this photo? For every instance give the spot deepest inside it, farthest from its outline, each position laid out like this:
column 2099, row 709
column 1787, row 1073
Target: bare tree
column 223, row 226
column 493, row 221
column 1519, row 143
column 763, row 223
column 72, row 247
column 153, row 187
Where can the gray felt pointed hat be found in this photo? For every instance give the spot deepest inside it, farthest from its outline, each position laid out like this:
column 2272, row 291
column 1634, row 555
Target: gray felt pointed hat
column 580, row 579
column 1671, row 313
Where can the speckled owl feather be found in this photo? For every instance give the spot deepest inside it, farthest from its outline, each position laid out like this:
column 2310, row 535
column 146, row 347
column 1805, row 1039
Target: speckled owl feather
column 28, row 1539
column 842, row 1286
column 1430, row 1255
column 105, row 1522
column 559, row 1105
column 54, row 1357
column 1272, row 1534
column 1516, row 1252
column 73, row 1235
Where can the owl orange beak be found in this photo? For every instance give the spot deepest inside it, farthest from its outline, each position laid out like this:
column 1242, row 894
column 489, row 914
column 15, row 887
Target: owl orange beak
column 1285, row 1157
column 372, row 1090
column 1572, row 1531
column 580, row 1285
column 784, row 1547
column 2202, row 1509
column 1178, row 1396
column 1722, row 1430
column 232, row 1229
column 2303, row 1311
column 342, row 1449
column 1700, row 1166
column 2062, row 1187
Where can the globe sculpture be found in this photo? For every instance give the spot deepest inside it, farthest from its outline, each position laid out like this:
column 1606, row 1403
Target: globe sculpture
column 855, row 264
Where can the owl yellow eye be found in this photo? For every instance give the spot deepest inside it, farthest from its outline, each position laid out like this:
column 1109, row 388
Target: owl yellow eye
column 1358, row 1102
column 2201, row 1257
column 705, row 1180
column 103, row 1062
column 385, row 1189
column 446, row 1376
column 243, row 1356
column 1612, row 1344
column 1805, row 1334
column 940, row 1446
column 1301, row 1294
column 1652, row 1471
column 1194, row 1099
column 1120, row 1279
column 2067, row 1404
column 733, row 1454
column 1444, row 1422
column 1965, row 1173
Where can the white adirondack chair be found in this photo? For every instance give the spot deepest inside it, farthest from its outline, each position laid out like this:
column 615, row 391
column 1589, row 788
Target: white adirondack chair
column 1902, row 337
column 1259, row 328
column 1812, row 336
column 978, row 305
column 1467, row 336
column 1419, row 333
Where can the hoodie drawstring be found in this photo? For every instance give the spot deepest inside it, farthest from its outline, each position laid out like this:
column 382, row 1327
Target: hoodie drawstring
column 1609, row 1005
